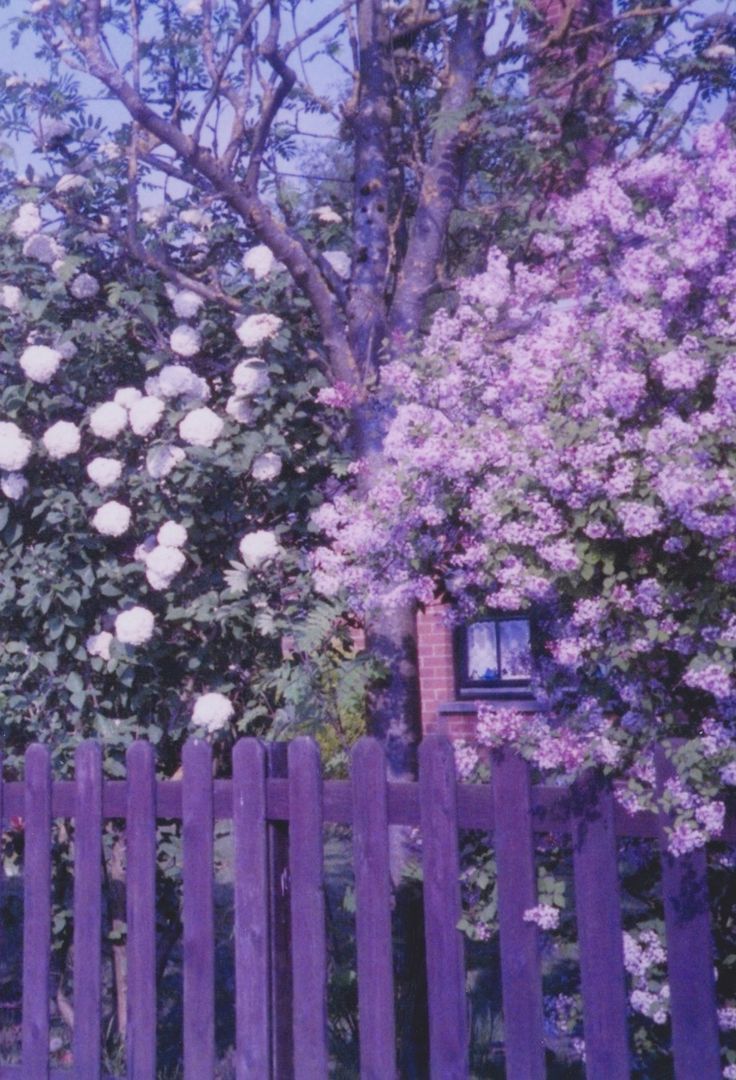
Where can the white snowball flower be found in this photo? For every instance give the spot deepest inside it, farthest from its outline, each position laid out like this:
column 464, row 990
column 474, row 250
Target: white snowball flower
column 67, row 349
column 84, row 287
column 326, row 215
column 99, row 644
column 259, row 261
column 10, row 297
column 142, row 551
column 27, row 222
column 13, row 485
column 162, row 565
column 200, row 219
column 339, row 261
column 250, row 377
column 39, row 362
column 134, row 627
column 70, row 182
column 192, row 8
column 175, row 380
column 160, row 460
column 104, row 471
column 255, row 329
column 721, row 51
column 201, row 427
column 15, row 448
column 212, row 711
column 112, row 519
column 239, row 409
column 256, row 547
column 187, row 303
column 145, row 414
column 108, row 420
column 44, row 248
column 171, row 534
column 184, row 340
column 152, row 215
column 62, row 439
column 127, row 396
column 266, row 467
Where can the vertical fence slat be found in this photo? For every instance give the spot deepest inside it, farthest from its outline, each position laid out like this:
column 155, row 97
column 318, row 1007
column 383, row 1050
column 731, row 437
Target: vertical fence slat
column 141, row 910
column 282, row 991
column 521, row 980
column 37, row 912
column 598, row 911
column 87, row 1044
column 252, row 982
column 690, row 959
column 448, row 1027
column 198, row 911
column 308, row 934
column 373, row 912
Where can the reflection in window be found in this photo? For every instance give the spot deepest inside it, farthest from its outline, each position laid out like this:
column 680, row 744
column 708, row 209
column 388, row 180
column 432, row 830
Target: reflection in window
column 495, row 652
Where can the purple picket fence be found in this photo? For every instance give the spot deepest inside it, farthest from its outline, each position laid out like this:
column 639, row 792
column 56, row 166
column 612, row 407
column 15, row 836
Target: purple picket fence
column 279, row 805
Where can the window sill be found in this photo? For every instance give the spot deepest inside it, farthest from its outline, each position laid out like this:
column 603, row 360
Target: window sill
column 520, row 702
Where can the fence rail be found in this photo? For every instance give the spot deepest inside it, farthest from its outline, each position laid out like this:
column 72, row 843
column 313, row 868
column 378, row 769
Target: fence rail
column 277, row 824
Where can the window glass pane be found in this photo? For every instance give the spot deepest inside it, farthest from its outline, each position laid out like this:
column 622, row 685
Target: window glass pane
column 515, row 649
column 482, row 653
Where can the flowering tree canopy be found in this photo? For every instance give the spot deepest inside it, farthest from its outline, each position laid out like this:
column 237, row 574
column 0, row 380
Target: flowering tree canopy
column 565, row 442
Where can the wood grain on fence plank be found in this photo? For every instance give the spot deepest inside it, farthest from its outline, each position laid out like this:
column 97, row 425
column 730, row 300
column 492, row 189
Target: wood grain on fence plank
column 87, row 1044
column 36, row 912
column 448, row 1028
column 373, row 912
column 598, row 912
column 252, row 981
column 141, row 910
column 521, row 980
column 198, row 911
column 282, row 990
column 695, row 1041
column 308, row 935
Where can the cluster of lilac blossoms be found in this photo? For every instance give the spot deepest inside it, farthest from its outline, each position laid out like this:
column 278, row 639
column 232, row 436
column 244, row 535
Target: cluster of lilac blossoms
column 566, row 442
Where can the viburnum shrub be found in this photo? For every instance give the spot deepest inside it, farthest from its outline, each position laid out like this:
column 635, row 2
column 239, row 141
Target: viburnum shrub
column 159, row 457
column 565, row 443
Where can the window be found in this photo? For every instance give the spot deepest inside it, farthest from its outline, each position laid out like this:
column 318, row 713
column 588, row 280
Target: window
column 493, row 657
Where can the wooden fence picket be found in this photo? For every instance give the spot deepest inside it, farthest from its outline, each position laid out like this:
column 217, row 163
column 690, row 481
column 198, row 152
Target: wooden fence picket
column 198, row 911
column 448, row 1024
column 308, row 934
column 600, row 937
column 521, row 978
column 37, row 912
column 141, row 910
column 87, row 1043
column 250, row 868
column 373, row 912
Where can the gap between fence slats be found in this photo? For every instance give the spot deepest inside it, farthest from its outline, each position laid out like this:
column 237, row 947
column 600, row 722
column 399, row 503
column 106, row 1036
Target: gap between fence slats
column 308, row 937
column 598, row 915
column 448, row 1027
column 198, row 912
column 141, row 910
column 690, row 958
column 250, row 871
column 282, row 990
column 373, row 912
column 521, row 979
column 87, row 1043
column 36, row 912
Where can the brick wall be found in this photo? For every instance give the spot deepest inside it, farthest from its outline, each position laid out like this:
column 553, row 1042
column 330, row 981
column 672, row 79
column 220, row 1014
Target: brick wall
column 436, row 665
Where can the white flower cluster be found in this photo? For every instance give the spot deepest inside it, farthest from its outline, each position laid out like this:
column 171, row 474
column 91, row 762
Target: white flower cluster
column 186, row 303
column 40, row 362
column 545, row 916
column 99, row 644
column 266, row 467
column 104, row 471
column 108, row 420
column 69, row 182
column 127, row 396
column 46, row 249
column 145, row 414
column 253, row 330
column 135, row 626
column 15, row 448
column 256, row 547
column 171, row 534
column 177, row 380
column 239, row 408
column 27, row 222
column 112, row 519
column 62, row 439
column 13, row 485
column 162, row 565
column 184, row 340
column 326, row 215
column 10, row 297
column 84, row 287
column 250, row 378
column 259, row 261
column 201, row 427
column 160, row 460
column 212, row 711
